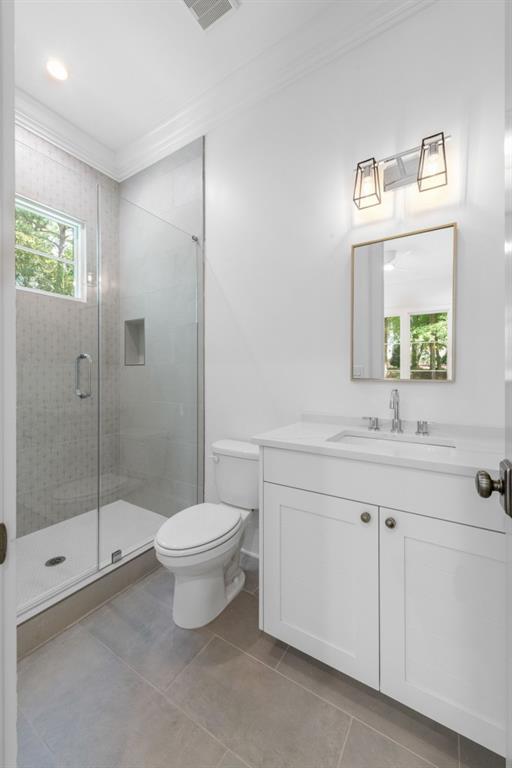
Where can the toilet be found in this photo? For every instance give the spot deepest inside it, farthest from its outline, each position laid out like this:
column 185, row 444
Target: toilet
column 201, row 544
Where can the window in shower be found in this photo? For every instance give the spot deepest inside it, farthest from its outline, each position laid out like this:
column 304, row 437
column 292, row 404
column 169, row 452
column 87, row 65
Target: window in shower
column 50, row 252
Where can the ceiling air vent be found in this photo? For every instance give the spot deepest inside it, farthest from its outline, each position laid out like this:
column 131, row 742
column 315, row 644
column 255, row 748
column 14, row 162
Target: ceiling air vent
column 207, row 12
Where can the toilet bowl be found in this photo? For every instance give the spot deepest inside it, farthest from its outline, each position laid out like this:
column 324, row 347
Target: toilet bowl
column 201, row 544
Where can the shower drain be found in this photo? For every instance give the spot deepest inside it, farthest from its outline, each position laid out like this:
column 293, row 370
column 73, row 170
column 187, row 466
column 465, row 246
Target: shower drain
column 55, row 560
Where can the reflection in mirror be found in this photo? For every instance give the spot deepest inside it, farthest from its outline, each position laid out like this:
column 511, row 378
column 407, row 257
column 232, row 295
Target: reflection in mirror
column 403, row 305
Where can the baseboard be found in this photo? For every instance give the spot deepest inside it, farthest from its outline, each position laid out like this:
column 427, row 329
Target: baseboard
column 51, row 622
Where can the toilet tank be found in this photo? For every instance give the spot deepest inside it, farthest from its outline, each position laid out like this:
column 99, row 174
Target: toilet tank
column 236, row 466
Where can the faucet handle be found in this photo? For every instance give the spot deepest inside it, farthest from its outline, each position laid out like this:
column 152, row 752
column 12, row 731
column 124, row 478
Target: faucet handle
column 422, row 428
column 373, row 423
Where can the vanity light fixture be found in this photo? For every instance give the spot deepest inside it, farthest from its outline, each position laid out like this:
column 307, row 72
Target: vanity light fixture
column 367, row 186
column 432, row 171
column 57, row 69
column 424, row 165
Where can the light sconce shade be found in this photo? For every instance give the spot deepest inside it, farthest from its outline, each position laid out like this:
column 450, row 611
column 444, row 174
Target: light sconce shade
column 367, row 186
column 432, row 171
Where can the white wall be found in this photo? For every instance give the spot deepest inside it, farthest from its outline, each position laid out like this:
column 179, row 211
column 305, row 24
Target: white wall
column 280, row 222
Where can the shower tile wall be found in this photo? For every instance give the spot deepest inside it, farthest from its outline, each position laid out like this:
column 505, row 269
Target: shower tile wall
column 158, row 282
column 57, row 433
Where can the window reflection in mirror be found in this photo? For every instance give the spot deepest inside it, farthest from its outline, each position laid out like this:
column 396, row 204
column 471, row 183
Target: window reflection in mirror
column 403, row 307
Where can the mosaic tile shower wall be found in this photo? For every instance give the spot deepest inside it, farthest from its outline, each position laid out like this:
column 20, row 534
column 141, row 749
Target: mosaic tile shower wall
column 57, row 432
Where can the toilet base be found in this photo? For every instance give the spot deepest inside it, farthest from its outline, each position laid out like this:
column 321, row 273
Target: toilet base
column 199, row 600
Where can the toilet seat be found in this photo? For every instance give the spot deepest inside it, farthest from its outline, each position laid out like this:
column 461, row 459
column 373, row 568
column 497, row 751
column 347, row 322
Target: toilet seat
column 198, row 529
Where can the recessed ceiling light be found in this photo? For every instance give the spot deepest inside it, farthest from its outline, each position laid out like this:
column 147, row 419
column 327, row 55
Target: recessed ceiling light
column 56, row 69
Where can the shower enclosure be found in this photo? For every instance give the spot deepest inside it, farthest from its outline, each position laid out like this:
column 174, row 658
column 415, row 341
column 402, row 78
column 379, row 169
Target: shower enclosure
column 109, row 373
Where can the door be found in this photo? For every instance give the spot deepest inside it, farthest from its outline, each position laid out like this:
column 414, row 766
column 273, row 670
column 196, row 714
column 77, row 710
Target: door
column 7, row 396
column 323, row 551
column 443, row 632
column 503, row 483
column 57, row 363
column 508, row 332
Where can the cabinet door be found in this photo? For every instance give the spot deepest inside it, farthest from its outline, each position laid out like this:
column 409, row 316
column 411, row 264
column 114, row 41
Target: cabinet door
column 320, row 578
column 443, row 623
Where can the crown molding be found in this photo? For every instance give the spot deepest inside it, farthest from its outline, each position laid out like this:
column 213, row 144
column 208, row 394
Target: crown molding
column 310, row 48
column 47, row 124
column 327, row 37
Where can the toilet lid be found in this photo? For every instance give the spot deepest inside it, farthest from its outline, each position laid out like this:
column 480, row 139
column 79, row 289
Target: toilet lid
column 197, row 526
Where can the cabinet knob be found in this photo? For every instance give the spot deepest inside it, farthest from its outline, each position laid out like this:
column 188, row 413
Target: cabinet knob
column 366, row 517
column 390, row 522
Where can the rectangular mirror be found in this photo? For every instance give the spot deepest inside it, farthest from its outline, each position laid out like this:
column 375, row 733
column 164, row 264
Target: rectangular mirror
column 403, row 305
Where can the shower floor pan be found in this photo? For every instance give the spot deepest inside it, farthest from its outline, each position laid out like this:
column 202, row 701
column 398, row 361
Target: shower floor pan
column 123, row 526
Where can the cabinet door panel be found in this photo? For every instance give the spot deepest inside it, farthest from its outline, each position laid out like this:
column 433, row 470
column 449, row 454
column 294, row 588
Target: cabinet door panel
column 443, row 623
column 321, row 578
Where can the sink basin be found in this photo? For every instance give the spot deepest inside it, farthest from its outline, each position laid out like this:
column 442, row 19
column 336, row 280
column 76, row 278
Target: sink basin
column 395, row 444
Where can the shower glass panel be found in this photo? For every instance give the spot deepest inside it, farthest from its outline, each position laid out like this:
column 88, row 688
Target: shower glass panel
column 109, row 372
column 154, row 374
column 57, row 365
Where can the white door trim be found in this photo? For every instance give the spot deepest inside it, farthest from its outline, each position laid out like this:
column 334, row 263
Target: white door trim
column 7, row 391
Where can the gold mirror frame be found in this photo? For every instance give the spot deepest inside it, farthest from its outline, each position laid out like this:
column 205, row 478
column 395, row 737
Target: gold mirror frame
column 452, row 225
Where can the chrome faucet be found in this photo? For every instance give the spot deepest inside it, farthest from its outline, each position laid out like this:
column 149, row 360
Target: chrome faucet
column 394, row 403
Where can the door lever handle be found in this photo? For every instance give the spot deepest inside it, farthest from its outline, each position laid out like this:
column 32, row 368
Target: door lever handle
column 487, row 485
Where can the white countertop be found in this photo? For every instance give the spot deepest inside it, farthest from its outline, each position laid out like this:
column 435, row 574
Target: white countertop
column 450, row 449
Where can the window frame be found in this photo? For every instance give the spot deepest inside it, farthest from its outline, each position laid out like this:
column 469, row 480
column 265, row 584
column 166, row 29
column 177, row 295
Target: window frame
column 79, row 248
column 405, row 315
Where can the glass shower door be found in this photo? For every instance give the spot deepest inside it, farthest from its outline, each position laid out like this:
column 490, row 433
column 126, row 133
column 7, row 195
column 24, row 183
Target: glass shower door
column 57, row 367
column 152, row 319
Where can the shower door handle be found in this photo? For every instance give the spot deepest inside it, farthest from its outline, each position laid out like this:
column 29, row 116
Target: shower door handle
column 79, row 392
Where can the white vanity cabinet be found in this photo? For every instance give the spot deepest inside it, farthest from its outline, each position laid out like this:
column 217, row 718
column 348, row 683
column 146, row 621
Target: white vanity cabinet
column 443, row 622
column 414, row 607
column 321, row 578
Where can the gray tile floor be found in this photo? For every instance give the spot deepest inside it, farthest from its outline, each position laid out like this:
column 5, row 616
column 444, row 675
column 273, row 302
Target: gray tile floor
column 126, row 688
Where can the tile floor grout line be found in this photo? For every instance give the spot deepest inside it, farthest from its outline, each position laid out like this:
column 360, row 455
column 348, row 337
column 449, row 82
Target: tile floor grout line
column 202, row 727
column 282, row 657
column 363, row 722
column 326, row 701
column 85, row 615
column 189, row 662
column 340, row 758
column 222, row 758
column 139, row 674
column 247, row 653
column 36, row 733
column 240, row 758
column 163, row 693
column 273, row 669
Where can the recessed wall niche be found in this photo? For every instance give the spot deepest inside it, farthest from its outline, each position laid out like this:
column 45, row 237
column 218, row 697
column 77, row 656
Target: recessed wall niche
column 134, row 342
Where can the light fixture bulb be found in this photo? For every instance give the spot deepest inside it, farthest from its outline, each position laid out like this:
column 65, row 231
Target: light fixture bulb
column 432, row 172
column 56, row 69
column 433, row 163
column 367, row 184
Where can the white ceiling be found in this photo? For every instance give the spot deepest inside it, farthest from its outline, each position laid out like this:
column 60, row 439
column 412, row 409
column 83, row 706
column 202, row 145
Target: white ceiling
column 423, row 271
column 145, row 79
column 133, row 64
